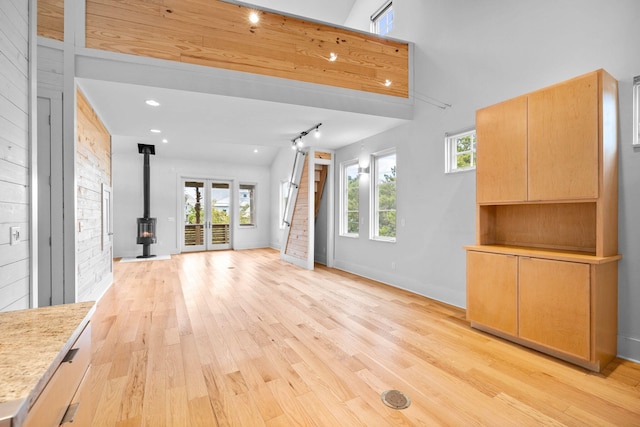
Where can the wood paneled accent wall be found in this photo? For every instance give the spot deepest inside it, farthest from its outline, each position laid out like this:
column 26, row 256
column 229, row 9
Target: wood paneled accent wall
column 14, row 154
column 298, row 241
column 51, row 19
column 93, row 169
column 218, row 34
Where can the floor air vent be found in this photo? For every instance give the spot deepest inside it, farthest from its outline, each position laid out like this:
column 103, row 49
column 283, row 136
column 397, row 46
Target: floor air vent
column 395, row 399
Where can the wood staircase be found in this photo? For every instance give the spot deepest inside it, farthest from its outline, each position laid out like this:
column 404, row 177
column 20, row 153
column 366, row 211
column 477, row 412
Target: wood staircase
column 320, row 180
column 297, row 227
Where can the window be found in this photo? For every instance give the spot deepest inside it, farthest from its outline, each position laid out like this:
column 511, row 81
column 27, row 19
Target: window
column 247, row 205
column 636, row 111
column 382, row 20
column 350, row 199
column 460, row 151
column 384, row 196
column 284, row 198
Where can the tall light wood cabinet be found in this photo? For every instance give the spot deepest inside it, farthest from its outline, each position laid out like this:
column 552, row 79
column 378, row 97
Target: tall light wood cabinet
column 543, row 270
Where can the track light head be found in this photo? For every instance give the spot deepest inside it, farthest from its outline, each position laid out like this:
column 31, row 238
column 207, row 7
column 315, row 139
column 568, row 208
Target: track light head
column 298, row 141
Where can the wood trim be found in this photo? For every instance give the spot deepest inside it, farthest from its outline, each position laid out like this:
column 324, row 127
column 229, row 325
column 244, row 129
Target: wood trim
column 322, row 155
column 607, row 228
column 51, row 19
column 604, row 312
column 218, row 34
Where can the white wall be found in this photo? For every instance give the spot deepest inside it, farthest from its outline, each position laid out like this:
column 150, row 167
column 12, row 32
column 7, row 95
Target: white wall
column 471, row 54
column 14, row 154
column 127, row 166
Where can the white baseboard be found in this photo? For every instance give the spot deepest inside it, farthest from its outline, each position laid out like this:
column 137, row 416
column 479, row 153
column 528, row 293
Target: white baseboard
column 437, row 293
column 629, row 348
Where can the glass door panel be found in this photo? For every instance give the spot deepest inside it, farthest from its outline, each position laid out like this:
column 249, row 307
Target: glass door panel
column 194, row 215
column 206, row 218
column 220, row 196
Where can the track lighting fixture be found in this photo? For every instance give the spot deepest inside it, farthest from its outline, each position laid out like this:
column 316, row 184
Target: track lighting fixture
column 297, row 142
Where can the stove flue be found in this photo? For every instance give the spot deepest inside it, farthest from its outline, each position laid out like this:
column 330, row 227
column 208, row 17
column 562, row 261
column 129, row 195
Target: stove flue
column 146, row 224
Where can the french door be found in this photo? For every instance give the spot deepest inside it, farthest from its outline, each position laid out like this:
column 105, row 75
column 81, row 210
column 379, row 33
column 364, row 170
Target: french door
column 207, row 215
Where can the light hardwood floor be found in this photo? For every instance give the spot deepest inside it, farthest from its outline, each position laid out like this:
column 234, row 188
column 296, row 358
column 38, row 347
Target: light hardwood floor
column 241, row 338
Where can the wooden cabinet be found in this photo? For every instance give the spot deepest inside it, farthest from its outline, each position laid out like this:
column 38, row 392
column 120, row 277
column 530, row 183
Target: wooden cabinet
column 542, row 146
column 563, row 140
column 492, row 295
column 52, row 406
column 501, row 131
column 554, row 304
column 543, row 271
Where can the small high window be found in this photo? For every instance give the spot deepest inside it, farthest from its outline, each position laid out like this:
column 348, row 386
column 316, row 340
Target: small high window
column 460, row 151
column 382, row 20
column 349, row 199
column 247, row 205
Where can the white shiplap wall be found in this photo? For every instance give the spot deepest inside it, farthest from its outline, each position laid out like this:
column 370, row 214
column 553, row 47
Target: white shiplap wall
column 14, row 153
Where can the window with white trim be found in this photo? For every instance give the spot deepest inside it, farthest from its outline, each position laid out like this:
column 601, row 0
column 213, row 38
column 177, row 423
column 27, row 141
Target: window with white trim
column 383, row 197
column 349, row 199
column 636, row 111
column 460, row 151
column 382, row 20
column 247, row 205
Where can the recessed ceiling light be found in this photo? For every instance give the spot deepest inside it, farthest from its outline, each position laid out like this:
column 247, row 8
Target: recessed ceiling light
column 333, row 56
column 255, row 150
column 155, row 131
column 387, row 82
column 165, row 140
column 254, row 18
column 152, row 102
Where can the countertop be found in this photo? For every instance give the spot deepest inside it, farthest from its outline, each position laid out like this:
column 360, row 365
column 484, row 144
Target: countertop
column 32, row 344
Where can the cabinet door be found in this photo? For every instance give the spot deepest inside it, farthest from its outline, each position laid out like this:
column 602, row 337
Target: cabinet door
column 563, row 140
column 554, row 305
column 492, row 291
column 501, row 170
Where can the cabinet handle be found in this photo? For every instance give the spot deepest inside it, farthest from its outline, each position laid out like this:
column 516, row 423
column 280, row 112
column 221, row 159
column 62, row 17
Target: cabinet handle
column 70, row 355
column 70, row 413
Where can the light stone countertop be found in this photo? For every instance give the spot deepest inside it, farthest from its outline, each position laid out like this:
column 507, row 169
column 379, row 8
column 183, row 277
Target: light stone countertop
column 32, row 344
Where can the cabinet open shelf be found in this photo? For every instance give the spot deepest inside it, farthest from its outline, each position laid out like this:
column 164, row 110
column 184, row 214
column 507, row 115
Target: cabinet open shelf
column 561, row 226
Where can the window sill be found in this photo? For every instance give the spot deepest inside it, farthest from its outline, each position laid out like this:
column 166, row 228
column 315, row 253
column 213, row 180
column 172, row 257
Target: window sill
column 456, row 171
column 351, row 236
column 384, row 239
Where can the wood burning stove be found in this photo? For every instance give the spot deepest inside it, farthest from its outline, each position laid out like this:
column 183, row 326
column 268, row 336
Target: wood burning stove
column 146, row 224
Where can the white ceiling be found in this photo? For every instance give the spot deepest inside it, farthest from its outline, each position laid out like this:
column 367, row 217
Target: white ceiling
column 215, row 127
column 226, row 128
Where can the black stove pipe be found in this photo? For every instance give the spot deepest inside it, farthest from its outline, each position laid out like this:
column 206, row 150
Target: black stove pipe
column 146, row 150
column 147, row 185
